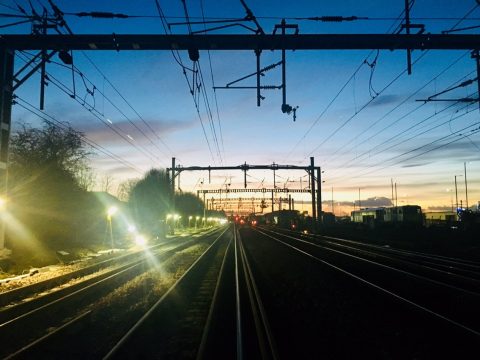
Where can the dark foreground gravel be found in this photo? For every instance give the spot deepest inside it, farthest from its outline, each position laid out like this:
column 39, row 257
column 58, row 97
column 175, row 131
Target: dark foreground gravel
column 317, row 312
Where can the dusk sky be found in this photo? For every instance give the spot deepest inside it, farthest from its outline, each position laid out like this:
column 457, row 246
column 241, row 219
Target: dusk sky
column 358, row 114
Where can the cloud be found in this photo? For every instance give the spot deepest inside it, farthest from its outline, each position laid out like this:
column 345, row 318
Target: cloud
column 161, row 128
column 415, row 165
column 386, row 100
column 439, row 208
column 370, row 202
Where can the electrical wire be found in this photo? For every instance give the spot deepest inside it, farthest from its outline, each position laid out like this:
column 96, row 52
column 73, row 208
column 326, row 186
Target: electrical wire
column 213, row 85
column 345, row 149
column 176, row 56
column 363, row 107
column 115, row 89
column 127, row 102
column 360, row 174
column 52, row 120
column 352, row 77
column 370, row 101
column 61, row 86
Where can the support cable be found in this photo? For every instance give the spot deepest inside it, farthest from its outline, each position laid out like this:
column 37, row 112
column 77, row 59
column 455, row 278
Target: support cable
column 52, row 120
column 344, row 149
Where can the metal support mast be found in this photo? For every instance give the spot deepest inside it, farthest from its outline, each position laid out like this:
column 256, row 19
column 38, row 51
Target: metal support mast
column 6, row 98
column 312, row 176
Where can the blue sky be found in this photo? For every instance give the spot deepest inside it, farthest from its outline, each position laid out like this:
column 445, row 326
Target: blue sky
column 360, row 142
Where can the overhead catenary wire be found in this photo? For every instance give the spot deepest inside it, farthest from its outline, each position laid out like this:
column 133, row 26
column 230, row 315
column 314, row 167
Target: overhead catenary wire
column 178, row 60
column 398, row 76
column 340, row 91
column 213, row 86
column 345, row 149
column 60, row 14
column 202, row 91
column 458, row 135
column 348, row 120
column 358, row 174
column 417, row 126
column 91, row 107
column 369, row 151
column 128, row 103
column 51, row 119
column 61, row 86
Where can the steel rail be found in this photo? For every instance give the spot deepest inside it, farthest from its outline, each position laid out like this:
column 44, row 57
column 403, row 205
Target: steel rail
column 65, row 326
column 64, row 293
column 208, row 323
column 48, row 336
column 260, row 317
column 446, row 259
column 114, row 351
column 238, row 312
column 442, row 261
column 437, row 282
column 375, row 286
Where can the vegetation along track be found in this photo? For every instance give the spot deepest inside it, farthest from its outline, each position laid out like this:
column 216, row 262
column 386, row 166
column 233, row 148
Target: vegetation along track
column 329, row 298
column 93, row 309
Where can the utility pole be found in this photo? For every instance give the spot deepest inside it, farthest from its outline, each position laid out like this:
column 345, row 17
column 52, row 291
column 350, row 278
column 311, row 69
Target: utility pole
column 333, row 211
column 6, row 96
column 456, row 195
column 312, row 182
column 396, row 195
column 391, row 182
column 273, row 203
column 319, row 195
column 173, row 194
column 359, row 200
column 466, row 187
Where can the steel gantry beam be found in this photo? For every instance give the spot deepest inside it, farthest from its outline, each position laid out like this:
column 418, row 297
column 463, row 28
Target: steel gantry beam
column 242, row 42
column 315, row 190
column 263, row 190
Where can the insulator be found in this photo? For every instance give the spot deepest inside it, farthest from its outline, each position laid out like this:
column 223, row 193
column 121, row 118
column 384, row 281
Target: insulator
column 193, row 54
column 332, row 18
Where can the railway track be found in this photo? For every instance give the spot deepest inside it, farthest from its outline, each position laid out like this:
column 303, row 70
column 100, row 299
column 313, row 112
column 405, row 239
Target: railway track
column 452, row 307
column 213, row 311
column 31, row 325
column 454, row 273
column 215, row 297
column 454, row 266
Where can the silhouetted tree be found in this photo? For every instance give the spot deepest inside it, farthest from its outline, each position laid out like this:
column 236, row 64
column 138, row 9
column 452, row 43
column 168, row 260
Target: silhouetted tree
column 124, row 189
column 187, row 204
column 45, row 181
column 150, row 199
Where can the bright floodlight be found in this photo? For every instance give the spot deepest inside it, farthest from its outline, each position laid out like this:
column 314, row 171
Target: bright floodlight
column 190, row 217
column 3, row 202
column 169, row 216
column 112, row 211
column 140, row 240
column 197, row 218
column 132, row 228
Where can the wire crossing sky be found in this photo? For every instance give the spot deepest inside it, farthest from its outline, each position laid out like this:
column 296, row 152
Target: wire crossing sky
column 359, row 112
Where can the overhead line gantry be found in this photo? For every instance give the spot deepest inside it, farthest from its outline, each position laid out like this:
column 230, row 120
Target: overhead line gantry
column 313, row 171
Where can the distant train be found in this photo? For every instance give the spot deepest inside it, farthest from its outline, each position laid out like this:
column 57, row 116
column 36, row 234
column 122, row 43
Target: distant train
column 287, row 219
column 406, row 215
